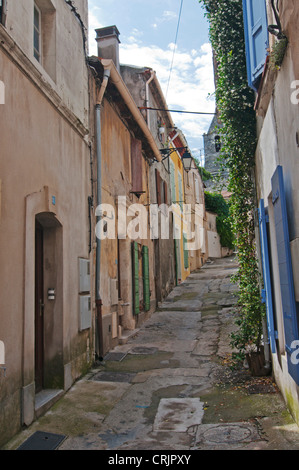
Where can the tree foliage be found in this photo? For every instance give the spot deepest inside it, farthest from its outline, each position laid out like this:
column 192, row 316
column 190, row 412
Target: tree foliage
column 235, row 106
column 215, row 202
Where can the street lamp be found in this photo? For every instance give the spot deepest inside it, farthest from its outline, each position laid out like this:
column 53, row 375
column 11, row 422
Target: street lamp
column 187, row 161
column 186, row 158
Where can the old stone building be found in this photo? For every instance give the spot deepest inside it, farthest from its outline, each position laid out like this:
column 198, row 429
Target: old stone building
column 45, row 320
column 271, row 33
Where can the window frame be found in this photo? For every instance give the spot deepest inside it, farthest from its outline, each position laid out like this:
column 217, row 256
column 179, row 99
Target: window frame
column 3, row 10
column 39, row 32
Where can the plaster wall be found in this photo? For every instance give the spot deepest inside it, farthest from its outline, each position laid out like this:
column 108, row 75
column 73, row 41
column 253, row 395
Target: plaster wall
column 44, row 168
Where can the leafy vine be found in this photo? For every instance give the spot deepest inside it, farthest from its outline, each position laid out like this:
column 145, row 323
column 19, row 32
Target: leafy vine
column 235, row 107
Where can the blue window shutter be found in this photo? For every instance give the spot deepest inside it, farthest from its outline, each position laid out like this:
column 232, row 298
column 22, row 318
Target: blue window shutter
column 285, row 268
column 267, row 275
column 256, row 39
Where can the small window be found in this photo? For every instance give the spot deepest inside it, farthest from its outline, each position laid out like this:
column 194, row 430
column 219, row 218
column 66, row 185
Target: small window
column 44, row 36
column 3, row 8
column 37, row 47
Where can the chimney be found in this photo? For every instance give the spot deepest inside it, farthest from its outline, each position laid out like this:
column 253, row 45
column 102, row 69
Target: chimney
column 108, row 44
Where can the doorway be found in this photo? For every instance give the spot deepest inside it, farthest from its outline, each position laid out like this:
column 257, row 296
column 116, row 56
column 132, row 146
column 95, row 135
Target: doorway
column 48, row 315
column 39, row 307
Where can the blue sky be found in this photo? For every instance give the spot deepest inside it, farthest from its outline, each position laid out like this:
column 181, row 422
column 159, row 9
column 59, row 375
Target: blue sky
column 147, row 34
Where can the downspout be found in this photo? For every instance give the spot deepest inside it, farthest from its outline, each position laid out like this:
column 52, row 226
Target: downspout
column 98, row 215
column 147, row 95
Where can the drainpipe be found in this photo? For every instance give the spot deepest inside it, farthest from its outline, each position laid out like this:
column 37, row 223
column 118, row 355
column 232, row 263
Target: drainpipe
column 147, row 95
column 99, row 201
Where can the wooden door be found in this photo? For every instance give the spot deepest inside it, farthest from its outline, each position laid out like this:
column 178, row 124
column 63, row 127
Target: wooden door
column 39, row 308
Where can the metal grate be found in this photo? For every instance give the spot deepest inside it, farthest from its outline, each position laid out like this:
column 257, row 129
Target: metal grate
column 42, row 441
column 115, row 356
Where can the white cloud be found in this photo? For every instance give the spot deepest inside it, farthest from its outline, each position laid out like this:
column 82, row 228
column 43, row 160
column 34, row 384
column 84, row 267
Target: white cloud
column 190, row 84
column 191, row 79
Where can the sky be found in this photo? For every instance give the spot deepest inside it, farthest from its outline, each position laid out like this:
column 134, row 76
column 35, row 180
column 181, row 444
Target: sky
column 173, row 39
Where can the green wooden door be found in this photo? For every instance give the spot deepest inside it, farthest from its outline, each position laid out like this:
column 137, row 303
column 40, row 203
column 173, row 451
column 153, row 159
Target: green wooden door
column 146, row 280
column 135, row 275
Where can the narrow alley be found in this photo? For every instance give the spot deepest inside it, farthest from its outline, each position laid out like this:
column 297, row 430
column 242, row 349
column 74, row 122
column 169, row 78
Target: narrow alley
column 171, row 386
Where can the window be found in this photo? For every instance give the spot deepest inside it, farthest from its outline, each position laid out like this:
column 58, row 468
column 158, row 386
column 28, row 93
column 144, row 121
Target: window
column 37, row 46
column 3, row 8
column 161, row 189
column 44, row 36
column 256, row 39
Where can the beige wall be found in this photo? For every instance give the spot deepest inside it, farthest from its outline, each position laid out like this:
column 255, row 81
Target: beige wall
column 69, row 78
column 43, row 154
column 278, row 124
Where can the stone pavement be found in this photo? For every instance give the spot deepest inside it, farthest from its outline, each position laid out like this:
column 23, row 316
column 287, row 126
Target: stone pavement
column 171, row 387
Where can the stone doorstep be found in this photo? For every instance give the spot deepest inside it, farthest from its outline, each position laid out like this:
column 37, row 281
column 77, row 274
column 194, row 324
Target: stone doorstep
column 126, row 335
column 45, row 399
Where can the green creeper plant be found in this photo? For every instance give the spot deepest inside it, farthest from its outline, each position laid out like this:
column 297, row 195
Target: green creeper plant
column 235, row 107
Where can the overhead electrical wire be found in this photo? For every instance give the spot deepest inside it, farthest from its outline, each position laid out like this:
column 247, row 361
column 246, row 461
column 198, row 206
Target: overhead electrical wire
column 175, row 44
column 176, row 110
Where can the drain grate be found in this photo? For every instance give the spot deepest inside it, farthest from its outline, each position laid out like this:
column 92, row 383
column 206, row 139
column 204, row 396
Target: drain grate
column 226, row 436
column 42, row 441
column 107, row 376
column 115, row 356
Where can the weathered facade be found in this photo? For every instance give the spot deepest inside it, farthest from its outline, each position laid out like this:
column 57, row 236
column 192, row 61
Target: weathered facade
column 276, row 85
column 125, row 150
column 145, row 89
column 45, row 184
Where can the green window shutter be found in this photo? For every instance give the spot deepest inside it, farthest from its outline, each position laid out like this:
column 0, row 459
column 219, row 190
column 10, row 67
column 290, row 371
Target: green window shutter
column 172, row 181
column 186, row 253
column 135, row 266
column 146, row 281
column 180, row 191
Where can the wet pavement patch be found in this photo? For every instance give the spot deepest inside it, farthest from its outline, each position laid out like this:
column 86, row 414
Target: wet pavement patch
column 143, row 350
column 111, row 376
column 42, row 441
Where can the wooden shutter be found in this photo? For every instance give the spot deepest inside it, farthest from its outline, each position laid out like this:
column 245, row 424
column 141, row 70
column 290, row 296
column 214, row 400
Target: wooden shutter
column 180, row 191
column 186, row 252
column 158, row 187
column 135, row 266
column 256, row 39
column 146, row 281
column 136, row 166
column 285, row 268
column 267, row 293
column 172, row 181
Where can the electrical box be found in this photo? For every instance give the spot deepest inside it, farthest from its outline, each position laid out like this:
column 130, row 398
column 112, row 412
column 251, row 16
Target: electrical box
column 84, row 275
column 85, row 312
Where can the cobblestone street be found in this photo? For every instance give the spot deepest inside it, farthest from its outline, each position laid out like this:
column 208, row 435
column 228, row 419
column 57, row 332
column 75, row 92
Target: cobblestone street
column 171, row 387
